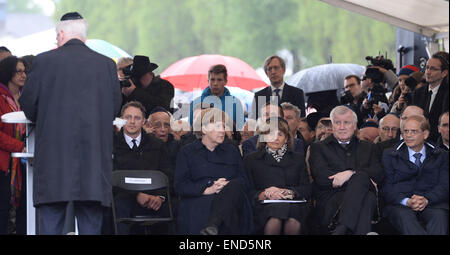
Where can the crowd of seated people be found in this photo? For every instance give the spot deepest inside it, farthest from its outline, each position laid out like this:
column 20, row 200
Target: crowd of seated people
column 340, row 169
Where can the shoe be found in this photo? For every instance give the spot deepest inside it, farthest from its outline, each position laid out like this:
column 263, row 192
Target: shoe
column 209, row 231
column 340, row 230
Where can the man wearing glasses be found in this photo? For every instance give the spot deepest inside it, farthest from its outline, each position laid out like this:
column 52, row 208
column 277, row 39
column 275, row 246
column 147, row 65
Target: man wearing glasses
column 416, row 185
column 389, row 127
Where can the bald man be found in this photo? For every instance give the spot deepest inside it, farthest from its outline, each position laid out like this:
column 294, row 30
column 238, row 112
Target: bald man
column 391, row 143
column 368, row 133
column 389, row 127
column 410, row 111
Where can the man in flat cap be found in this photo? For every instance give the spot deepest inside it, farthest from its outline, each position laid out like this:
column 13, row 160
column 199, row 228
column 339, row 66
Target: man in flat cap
column 147, row 89
column 73, row 95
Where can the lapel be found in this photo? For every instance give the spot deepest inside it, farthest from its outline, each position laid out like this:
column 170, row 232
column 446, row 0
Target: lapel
column 437, row 103
column 285, row 95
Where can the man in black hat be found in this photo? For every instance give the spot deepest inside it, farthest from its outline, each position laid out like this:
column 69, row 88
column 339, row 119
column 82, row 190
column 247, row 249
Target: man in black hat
column 72, row 94
column 147, row 89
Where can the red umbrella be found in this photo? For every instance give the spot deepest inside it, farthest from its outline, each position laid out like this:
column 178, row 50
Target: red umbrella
column 191, row 73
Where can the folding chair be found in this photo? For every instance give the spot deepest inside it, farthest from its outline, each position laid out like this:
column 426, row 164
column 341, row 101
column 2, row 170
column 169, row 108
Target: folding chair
column 140, row 181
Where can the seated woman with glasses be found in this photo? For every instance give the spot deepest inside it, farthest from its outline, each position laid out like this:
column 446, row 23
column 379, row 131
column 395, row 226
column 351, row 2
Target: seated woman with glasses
column 211, row 182
column 278, row 174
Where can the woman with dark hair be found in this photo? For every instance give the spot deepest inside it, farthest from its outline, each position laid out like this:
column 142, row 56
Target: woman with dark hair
column 210, row 181
column 12, row 79
column 277, row 172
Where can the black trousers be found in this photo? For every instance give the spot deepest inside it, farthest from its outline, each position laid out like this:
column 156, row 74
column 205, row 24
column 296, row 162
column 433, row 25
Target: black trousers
column 5, row 205
column 227, row 207
column 356, row 204
column 409, row 222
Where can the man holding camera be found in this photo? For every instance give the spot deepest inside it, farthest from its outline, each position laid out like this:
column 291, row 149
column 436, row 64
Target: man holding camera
column 375, row 105
column 354, row 95
column 140, row 84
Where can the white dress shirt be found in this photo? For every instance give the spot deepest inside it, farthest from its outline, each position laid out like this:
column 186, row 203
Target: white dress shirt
column 129, row 140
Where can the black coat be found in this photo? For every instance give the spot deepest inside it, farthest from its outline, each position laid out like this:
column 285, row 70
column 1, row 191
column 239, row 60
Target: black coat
column 328, row 158
column 440, row 105
column 249, row 146
column 290, row 173
column 72, row 94
column 404, row 178
column 196, row 169
column 160, row 92
column 291, row 94
column 151, row 155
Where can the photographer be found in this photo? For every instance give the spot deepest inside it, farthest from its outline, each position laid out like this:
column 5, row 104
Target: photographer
column 354, row 95
column 386, row 67
column 402, row 95
column 375, row 105
column 140, row 84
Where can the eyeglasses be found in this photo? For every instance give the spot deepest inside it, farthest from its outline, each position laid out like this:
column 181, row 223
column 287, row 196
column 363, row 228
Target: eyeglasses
column 411, row 131
column 20, row 72
column 392, row 129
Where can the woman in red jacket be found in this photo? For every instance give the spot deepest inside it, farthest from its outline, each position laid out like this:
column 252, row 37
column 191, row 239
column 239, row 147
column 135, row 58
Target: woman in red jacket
column 12, row 79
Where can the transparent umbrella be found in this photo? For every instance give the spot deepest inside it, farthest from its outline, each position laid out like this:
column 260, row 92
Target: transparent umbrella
column 324, row 77
column 107, row 49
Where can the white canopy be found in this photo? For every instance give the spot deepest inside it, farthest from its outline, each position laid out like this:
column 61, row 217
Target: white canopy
column 426, row 17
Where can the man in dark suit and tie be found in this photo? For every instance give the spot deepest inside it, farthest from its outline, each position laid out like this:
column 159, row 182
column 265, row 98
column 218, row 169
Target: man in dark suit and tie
column 433, row 98
column 275, row 67
column 416, row 187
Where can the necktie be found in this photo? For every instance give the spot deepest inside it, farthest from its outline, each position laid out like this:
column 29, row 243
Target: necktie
column 277, row 93
column 418, row 156
column 344, row 145
column 135, row 147
column 428, row 101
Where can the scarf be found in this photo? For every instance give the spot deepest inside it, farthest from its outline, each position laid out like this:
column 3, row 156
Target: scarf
column 16, row 173
column 277, row 154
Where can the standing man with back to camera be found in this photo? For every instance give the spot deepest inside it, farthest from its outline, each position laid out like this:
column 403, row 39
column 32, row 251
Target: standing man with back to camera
column 72, row 94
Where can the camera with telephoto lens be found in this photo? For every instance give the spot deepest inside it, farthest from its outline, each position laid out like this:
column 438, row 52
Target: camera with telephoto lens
column 125, row 81
column 376, row 95
column 381, row 61
column 347, row 98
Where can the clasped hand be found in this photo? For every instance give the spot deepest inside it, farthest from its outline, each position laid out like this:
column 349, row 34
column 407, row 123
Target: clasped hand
column 149, row 201
column 216, row 187
column 340, row 178
column 417, row 203
column 274, row 193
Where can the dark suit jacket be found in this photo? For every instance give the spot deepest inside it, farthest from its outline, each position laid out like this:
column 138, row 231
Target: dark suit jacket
column 404, row 178
column 328, row 158
column 440, row 105
column 291, row 94
column 151, row 154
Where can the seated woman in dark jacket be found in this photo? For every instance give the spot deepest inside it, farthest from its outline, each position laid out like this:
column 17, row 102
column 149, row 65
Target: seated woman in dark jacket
column 211, row 182
column 276, row 172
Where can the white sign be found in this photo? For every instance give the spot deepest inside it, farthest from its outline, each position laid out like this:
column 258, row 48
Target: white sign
column 138, row 180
